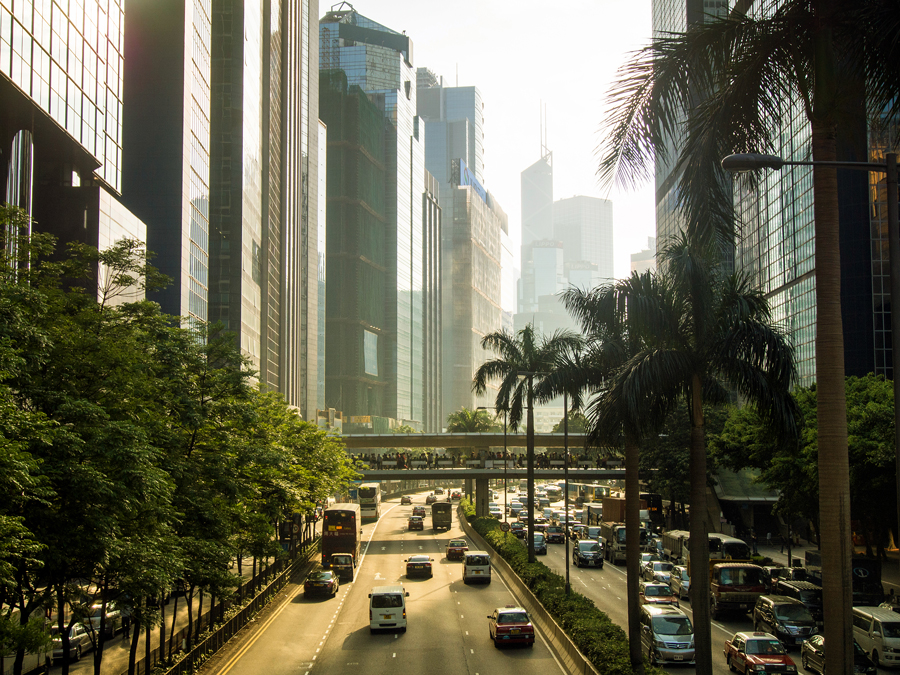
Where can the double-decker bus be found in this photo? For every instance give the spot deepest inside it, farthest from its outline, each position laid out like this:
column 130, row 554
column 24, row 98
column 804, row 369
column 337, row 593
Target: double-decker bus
column 369, row 497
column 341, row 532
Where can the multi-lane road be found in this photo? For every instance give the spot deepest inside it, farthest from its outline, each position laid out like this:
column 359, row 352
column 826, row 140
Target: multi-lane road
column 447, row 632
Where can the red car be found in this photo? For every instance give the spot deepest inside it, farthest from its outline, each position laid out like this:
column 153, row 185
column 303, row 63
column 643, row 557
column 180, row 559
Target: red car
column 430, row 499
column 419, row 565
column 419, row 511
column 322, row 582
column 405, row 499
column 456, row 495
column 518, row 529
column 652, row 593
column 456, row 549
column 511, row 625
column 752, row 652
column 416, row 523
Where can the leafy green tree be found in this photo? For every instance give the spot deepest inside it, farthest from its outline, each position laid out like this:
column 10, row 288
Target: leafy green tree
column 731, row 79
column 578, row 424
column 693, row 331
column 518, row 354
column 469, row 421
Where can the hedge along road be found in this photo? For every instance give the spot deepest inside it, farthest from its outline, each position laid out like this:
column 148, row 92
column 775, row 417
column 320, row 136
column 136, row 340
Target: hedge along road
column 447, row 632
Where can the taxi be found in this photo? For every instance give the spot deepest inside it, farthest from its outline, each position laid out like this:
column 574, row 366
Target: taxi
column 653, row 593
column 405, row 499
column 416, row 523
column 418, row 511
column 757, row 652
column 511, row 625
column 456, row 549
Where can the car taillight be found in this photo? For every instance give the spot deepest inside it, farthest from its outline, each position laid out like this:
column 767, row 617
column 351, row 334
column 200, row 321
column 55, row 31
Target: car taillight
column 404, row 613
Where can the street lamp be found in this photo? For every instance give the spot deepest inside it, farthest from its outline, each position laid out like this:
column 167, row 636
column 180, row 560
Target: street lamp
column 751, row 162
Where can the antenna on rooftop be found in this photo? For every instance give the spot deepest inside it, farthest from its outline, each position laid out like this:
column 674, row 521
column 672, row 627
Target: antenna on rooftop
column 545, row 151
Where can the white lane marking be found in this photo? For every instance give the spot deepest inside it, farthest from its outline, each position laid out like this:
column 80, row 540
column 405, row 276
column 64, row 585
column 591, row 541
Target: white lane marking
column 472, row 651
column 394, row 656
column 467, row 632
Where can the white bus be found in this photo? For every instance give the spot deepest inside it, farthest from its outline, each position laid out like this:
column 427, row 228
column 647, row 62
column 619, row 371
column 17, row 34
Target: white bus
column 369, row 495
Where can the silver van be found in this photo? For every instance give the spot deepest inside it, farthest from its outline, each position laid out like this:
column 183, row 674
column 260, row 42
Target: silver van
column 387, row 608
column 877, row 631
column 477, row 567
column 667, row 635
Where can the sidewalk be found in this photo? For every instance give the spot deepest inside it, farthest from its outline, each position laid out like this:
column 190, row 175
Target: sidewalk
column 890, row 569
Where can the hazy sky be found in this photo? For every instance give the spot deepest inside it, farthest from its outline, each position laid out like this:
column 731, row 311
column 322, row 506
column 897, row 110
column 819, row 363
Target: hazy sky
column 522, row 52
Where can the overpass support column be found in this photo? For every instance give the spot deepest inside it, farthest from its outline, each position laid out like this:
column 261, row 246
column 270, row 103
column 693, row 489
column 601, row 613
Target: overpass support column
column 482, row 497
column 469, row 493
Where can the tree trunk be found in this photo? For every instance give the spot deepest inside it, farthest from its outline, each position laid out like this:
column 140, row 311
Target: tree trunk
column 529, row 439
column 633, row 551
column 172, row 630
column 200, row 616
column 162, row 630
column 834, row 465
column 147, row 650
column 190, row 611
column 699, row 539
column 135, row 636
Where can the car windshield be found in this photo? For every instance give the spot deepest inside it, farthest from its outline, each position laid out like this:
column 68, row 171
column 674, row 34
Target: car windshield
column 765, row 647
column 386, row 600
column 538, row 538
column 589, row 546
column 341, row 560
column 657, row 590
column 512, row 617
column 890, row 630
column 672, row 625
column 457, row 542
column 593, row 532
column 415, row 519
column 319, row 576
column 740, row 576
column 662, row 567
column 793, row 612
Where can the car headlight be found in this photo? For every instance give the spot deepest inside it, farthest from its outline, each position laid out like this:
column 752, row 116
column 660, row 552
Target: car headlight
column 660, row 644
column 791, row 669
column 758, row 667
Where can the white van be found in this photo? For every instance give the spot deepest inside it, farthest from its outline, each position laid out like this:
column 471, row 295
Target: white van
column 877, row 630
column 387, row 608
column 477, row 567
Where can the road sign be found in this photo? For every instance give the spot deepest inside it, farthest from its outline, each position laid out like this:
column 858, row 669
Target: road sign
column 296, row 528
column 504, row 527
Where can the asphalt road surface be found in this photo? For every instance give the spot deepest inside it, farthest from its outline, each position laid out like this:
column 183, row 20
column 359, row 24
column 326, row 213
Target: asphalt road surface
column 447, row 621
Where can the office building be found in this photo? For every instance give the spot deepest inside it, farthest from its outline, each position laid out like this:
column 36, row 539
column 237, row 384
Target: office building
column 222, row 135
column 537, row 225
column 474, row 226
column 61, row 89
column 645, row 259
column 584, row 225
column 388, row 301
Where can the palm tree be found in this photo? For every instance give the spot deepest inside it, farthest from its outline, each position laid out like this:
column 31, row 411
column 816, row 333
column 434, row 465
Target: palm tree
column 469, row 421
column 521, row 358
column 732, row 80
column 691, row 331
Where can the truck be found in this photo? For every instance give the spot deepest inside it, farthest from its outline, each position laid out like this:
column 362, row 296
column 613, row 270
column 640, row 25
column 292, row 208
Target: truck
column 612, row 536
column 614, row 509
column 865, row 575
column 734, row 586
column 441, row 516
column 675, row 544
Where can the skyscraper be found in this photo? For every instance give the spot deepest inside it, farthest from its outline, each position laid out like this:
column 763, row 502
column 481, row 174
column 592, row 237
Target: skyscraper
column 584, row 225
column 222, row 117
column 537, row 225
column 61, row 118
column 473, row 226
column 362, row 58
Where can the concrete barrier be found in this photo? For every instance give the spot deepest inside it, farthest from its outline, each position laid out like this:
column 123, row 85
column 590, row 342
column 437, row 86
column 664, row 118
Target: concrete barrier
column 569, row 655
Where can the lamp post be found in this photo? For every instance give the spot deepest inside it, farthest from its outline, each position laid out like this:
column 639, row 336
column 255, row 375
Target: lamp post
column 751, row 162
column 505, row 487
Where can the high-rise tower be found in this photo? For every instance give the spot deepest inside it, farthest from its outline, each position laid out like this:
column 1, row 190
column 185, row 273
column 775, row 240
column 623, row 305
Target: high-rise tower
column 384, row 323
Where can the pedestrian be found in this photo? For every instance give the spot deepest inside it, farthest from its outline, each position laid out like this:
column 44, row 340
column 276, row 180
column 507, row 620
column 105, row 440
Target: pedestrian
column 768, row 538
column 753, row 539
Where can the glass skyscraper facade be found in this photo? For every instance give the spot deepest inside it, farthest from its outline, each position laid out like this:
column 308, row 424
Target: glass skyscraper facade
column 776, row 224
column 379, row 62
column 222, row 131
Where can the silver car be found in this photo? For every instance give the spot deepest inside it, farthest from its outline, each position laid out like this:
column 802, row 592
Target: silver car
column 680, row 581
column 80, row 641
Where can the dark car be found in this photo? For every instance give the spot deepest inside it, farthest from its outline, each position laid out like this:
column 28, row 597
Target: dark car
column 419, row 566
column 511, row 625
column 406, row 499
column 418, row 511
column 518, row 529
column 555, row 535
column 786, row 618
column 321, row 582
column 587, row 553
column 430, row 499
column 456, row 494
column 812, row 656
column 808, row 593
column 416, row 523
column 540, row 543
